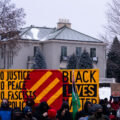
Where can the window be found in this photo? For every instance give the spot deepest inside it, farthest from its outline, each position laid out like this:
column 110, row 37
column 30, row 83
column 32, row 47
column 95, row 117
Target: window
column 92, row 52
column 8, row 60
column 78, row 51
column 64, row 51
column 2, row 52
column 11, row 58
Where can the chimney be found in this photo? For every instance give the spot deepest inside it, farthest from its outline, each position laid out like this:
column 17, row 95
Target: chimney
column 62, row 23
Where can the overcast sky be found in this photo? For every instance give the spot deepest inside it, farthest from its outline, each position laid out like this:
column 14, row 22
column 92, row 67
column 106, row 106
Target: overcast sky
column 86, row 16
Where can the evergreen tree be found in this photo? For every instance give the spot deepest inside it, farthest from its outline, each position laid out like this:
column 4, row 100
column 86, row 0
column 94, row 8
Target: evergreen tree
column 113, row 61
column 72, row 62
column 85, row 61
column 39, row 61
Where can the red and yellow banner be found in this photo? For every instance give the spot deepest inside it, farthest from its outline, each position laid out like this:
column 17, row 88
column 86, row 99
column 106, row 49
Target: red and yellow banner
column 42, row 85
column 52, row 86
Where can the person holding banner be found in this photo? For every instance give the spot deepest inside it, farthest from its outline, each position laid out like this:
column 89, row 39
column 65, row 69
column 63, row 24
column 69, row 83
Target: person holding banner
column 98, row 113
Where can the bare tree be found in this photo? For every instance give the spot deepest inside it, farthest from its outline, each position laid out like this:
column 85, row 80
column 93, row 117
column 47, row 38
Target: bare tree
column 11, row 18
column 112, row 28
column 113, row 15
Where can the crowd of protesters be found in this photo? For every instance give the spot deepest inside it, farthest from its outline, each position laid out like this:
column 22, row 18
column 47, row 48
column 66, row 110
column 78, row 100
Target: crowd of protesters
column 105, row 110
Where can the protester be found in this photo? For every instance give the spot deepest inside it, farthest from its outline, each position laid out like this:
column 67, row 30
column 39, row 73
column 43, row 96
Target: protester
column 44, row 112
column 91, row 110
column 41, row 111
column 5, row 110
column 118, row 114
column 17, row 114
column 84, row 112
column 114, row 103
column 28, row 114
column 98, row 115
column 112, row 115
column 106, row 101
column 63, row 113
column 30, row 102
column 104, row 106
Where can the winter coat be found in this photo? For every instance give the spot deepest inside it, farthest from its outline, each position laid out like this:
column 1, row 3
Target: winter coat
column 67, row 115
column 93, row 117
column 84, row 112
column 118, row 113
column 104, row 107
column 33, row 118
column 115, row 105
column 6, row 113
column 42, row 108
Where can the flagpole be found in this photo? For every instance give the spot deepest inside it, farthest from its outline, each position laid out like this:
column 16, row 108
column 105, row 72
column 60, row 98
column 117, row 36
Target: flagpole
column 75, row 98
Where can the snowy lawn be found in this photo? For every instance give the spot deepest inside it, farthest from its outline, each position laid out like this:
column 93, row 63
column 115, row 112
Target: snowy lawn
column 104, row 92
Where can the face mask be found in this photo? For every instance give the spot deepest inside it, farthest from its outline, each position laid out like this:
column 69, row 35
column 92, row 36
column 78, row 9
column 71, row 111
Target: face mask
column 5, row 105
column 29, row 116
column 29, row 104
column 99, row 114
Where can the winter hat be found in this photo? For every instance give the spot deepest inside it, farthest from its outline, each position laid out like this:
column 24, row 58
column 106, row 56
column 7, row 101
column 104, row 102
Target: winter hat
column 27, row 109
column 96, row 107
column 116, row 99
column 102, row 102
column 52, row 113
column 65, row 105
column 30, row 102
column 91, row 110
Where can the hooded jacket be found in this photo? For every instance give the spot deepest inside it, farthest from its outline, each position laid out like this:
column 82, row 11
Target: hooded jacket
column 84, row 112
column 42, row 108
column 67, row 115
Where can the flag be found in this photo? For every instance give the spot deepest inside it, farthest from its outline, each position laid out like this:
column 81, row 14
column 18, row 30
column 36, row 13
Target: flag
column 75, row 98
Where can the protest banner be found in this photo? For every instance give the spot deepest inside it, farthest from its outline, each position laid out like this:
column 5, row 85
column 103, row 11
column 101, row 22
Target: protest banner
column 41, row 85
column 115, row 89
column 87, row 85
column 52, row 86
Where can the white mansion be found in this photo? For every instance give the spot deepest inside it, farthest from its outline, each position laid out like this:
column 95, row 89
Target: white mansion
column 56, row 44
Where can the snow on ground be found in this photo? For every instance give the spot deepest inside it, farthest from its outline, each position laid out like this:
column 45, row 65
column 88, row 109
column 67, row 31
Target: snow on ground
column 104, row 92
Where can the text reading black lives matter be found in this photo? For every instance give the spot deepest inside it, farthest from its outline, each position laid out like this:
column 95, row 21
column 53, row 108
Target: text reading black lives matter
column 86, row 88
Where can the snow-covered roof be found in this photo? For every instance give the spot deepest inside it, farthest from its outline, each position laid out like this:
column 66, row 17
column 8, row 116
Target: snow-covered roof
column 64, row 33
column 35, row 33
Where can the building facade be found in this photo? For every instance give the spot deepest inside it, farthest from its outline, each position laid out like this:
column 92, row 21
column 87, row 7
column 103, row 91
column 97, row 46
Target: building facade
column 56, row 44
